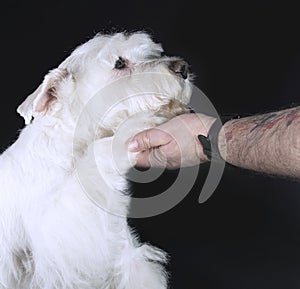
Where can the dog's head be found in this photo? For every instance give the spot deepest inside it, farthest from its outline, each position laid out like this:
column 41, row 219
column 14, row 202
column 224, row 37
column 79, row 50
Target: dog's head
column 132, row 66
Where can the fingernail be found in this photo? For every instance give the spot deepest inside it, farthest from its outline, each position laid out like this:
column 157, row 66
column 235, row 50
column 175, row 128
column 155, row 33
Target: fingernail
column 133, row 145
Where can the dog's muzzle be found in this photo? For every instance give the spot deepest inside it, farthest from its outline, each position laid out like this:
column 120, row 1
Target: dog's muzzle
column 180, row 67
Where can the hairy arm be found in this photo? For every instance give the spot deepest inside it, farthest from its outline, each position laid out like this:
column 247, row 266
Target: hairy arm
column 268, row 143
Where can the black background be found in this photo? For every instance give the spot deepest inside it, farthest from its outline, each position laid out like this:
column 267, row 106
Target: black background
column 246, row 58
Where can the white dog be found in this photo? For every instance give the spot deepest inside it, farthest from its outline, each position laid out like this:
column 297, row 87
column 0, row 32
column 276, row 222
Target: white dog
column 63, row 182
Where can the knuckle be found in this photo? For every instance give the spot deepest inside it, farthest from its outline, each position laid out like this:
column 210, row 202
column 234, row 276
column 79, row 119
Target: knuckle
column 146, row 140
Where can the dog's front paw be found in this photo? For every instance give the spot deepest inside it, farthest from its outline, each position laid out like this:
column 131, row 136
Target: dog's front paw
column 111, row 153
column 111, row 156
column 124, row 133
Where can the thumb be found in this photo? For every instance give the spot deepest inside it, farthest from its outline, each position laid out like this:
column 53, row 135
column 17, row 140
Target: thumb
column 148, row 139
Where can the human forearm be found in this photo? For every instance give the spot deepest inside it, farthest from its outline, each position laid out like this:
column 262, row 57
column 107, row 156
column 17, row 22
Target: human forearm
column 268, row 143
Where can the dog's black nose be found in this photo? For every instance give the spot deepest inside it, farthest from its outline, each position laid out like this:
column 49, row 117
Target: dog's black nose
column 180, row 67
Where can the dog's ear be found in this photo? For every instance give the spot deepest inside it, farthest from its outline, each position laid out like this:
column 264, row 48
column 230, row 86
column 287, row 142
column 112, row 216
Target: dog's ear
column 46, row 94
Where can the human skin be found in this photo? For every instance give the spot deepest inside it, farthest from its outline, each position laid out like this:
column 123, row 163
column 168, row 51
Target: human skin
column 268, row 143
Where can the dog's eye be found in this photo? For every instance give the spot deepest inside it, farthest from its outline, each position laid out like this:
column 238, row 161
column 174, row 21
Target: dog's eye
column 120, row 63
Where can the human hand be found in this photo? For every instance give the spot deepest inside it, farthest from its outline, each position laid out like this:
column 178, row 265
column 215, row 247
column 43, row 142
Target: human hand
column 173, row 144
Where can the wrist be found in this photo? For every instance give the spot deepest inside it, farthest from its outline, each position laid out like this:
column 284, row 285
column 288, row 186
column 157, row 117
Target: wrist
column 205, row 123
column 214, row 142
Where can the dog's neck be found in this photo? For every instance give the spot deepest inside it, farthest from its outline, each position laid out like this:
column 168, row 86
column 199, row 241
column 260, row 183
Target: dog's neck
column 43, row 149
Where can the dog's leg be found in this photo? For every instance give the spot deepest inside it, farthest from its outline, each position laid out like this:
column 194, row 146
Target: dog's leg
column 104, row 167
column 139, row 266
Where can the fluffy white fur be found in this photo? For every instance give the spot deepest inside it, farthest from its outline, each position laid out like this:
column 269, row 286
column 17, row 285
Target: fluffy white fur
column 52, row 236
